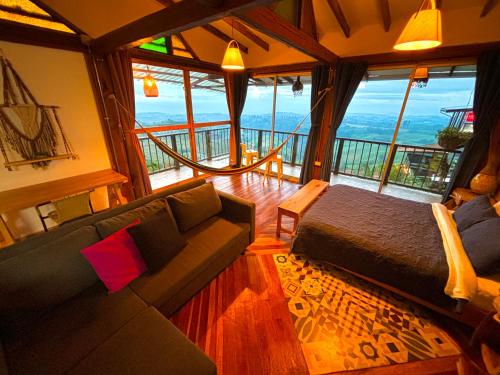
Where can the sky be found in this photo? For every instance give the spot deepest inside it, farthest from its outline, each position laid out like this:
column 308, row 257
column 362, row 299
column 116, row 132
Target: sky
column 373, row 97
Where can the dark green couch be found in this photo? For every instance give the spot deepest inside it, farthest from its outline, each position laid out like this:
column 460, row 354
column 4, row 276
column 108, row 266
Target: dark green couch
column 57, row 317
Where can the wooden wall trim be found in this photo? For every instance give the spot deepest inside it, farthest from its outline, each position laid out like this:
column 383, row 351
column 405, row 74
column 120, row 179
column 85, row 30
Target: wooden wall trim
column 27, row 34
column 176, row 62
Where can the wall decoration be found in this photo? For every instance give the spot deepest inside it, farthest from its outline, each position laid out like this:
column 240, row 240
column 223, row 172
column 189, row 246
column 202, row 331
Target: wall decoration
column 30, row 133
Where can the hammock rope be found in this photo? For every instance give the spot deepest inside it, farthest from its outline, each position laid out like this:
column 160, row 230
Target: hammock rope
column 221, row 171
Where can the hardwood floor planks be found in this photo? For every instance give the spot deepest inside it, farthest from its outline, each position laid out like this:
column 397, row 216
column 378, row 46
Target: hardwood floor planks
column 241, row 319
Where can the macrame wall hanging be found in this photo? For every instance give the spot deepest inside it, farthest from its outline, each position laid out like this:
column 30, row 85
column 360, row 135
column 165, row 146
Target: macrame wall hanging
column 30, row 133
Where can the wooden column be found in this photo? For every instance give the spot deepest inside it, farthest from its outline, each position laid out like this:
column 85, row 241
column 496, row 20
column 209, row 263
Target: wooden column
column 326, row 124
column 273, row 121
column 233, row 147
column 190, row 117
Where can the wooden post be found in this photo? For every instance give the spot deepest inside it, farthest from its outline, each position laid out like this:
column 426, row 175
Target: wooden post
column 208, row 144
column 259, row 142
column 271, row 146
column 386, row 170
column 338, row 159
column 294, row 149
column 190, row 118
column 174, row 147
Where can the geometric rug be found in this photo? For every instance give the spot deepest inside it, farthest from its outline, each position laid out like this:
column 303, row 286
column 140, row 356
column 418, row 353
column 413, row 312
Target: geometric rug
column 344, row 323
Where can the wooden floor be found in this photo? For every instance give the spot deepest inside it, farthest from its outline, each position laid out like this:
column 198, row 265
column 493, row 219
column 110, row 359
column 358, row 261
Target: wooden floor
column 241, row 319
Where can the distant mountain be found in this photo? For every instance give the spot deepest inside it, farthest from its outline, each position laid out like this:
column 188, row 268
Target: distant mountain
column 415, row 129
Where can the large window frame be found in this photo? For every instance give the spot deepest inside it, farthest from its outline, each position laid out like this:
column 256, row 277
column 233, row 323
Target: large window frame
column 191, row 126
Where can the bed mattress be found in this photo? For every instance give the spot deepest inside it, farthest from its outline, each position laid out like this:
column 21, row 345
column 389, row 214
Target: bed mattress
column 390, row 240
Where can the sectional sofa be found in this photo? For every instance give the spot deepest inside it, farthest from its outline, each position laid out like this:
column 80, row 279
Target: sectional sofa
column 57, row 317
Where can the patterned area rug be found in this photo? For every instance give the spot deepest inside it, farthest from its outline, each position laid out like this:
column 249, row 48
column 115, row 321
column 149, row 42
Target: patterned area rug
column 344, row 323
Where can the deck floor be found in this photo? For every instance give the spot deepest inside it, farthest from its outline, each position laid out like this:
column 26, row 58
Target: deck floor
column 241, row 319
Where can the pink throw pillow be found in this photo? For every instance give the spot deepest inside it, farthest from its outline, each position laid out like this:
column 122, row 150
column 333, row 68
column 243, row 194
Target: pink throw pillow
column 116, row 259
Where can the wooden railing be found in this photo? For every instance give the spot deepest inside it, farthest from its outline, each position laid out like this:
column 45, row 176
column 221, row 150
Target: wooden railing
column 422, row 168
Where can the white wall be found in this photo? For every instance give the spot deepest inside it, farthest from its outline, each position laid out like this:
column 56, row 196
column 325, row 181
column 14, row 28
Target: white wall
column 57, row 77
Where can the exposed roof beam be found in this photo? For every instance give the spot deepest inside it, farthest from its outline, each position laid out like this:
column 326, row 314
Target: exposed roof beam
column 27, row 34
column 224, row 37
column 339, row 15
column 266, row 21
column 187, row 46
column 385, row 10
column 307, row 19
column 174, row 19
column 289, row 80
column 488, row 6
column 152, row 71
column 247, row 32
column 57, row 16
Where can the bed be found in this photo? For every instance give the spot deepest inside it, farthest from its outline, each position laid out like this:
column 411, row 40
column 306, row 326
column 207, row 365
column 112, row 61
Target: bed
column 392, row 242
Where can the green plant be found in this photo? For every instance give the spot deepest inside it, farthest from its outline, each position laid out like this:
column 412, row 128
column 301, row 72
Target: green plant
column 451, row 137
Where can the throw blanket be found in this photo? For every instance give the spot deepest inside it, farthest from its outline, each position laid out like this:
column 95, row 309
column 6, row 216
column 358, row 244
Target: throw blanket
column 462, row 280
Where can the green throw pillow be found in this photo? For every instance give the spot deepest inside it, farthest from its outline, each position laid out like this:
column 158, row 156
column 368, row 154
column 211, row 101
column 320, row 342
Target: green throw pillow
column 194, row 206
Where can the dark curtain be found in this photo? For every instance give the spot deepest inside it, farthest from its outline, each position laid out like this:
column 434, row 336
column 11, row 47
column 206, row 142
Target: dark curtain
column 236, row 91
column 118, row 81
column 319, row 82
column 487, row 111
column 345, row 83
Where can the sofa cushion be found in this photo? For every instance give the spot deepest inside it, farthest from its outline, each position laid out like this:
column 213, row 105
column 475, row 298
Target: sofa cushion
column 208, row 242
column 112, row 224
column 43, row 277
column 194, row 206
column 473, row 212
column 116, row 259
column 482, row 245
column 158, row 239
column 148, row 344
column 70, row 332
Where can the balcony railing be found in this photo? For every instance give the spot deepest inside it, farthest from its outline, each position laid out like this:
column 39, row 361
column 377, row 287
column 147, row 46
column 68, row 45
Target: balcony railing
column 417, row 167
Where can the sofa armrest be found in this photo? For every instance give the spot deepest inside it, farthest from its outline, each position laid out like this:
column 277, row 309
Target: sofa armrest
column 238, row 210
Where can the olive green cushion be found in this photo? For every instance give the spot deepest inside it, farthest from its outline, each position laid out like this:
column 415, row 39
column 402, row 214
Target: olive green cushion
column 148, row 344
column 43, row 277
column 112, row 224
column 158, row 239
column 193, row 206
column 199, row 261
column 70, row 332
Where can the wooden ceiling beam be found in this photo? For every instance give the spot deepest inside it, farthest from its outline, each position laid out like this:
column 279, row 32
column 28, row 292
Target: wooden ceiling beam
column 174, row 19
column 57, row 16
column 222, row 36
column 307, row 19
column 339, row 15
column 187, row 46
column 385, row 11
column 247, row 33
column 27, row 34
column 488, row 6
column 263, row 19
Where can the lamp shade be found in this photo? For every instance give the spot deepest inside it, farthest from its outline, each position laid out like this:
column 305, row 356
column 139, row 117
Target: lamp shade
column 422, row 31
column 150, row 88
column 232, row 57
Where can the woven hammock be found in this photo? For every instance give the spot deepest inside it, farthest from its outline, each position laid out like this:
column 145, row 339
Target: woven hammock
column 220, row 171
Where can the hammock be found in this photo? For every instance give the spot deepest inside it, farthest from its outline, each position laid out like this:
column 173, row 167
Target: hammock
column 220, row 171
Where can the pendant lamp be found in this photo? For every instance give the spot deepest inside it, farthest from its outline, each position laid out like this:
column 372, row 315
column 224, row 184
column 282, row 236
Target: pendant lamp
column 150, row 88
column 423, row 29
column 232, row 57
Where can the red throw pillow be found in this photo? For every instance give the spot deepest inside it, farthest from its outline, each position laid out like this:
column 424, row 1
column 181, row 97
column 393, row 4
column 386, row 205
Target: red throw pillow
column 116, row 259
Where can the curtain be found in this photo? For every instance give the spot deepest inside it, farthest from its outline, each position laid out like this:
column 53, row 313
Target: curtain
column 487, row 111
column 345, row 83
column 128, row 153
column 236, row 92
column 319, row 82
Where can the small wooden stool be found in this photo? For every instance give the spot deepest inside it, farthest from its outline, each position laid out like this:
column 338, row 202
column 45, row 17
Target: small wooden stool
column 296, row 205
column 279, row 164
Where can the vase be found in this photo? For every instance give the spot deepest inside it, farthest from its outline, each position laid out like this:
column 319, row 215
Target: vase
column 483, row 183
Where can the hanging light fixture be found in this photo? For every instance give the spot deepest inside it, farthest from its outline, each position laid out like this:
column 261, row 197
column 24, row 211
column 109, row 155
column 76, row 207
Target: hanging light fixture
column 149, row 84
column 297, row 87
column 232, row 57
column 420, row 78
column 423, row 29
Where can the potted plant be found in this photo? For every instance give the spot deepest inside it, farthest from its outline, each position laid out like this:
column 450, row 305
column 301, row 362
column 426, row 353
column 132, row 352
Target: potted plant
column 451, row 138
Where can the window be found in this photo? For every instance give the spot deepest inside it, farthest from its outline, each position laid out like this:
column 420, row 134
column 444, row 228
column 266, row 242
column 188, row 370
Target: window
column 438, row 97
column 198, row 129
column 257, row 118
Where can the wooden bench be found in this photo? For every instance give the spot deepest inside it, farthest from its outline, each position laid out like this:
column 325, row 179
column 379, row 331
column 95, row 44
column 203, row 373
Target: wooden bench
column 295, row 206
